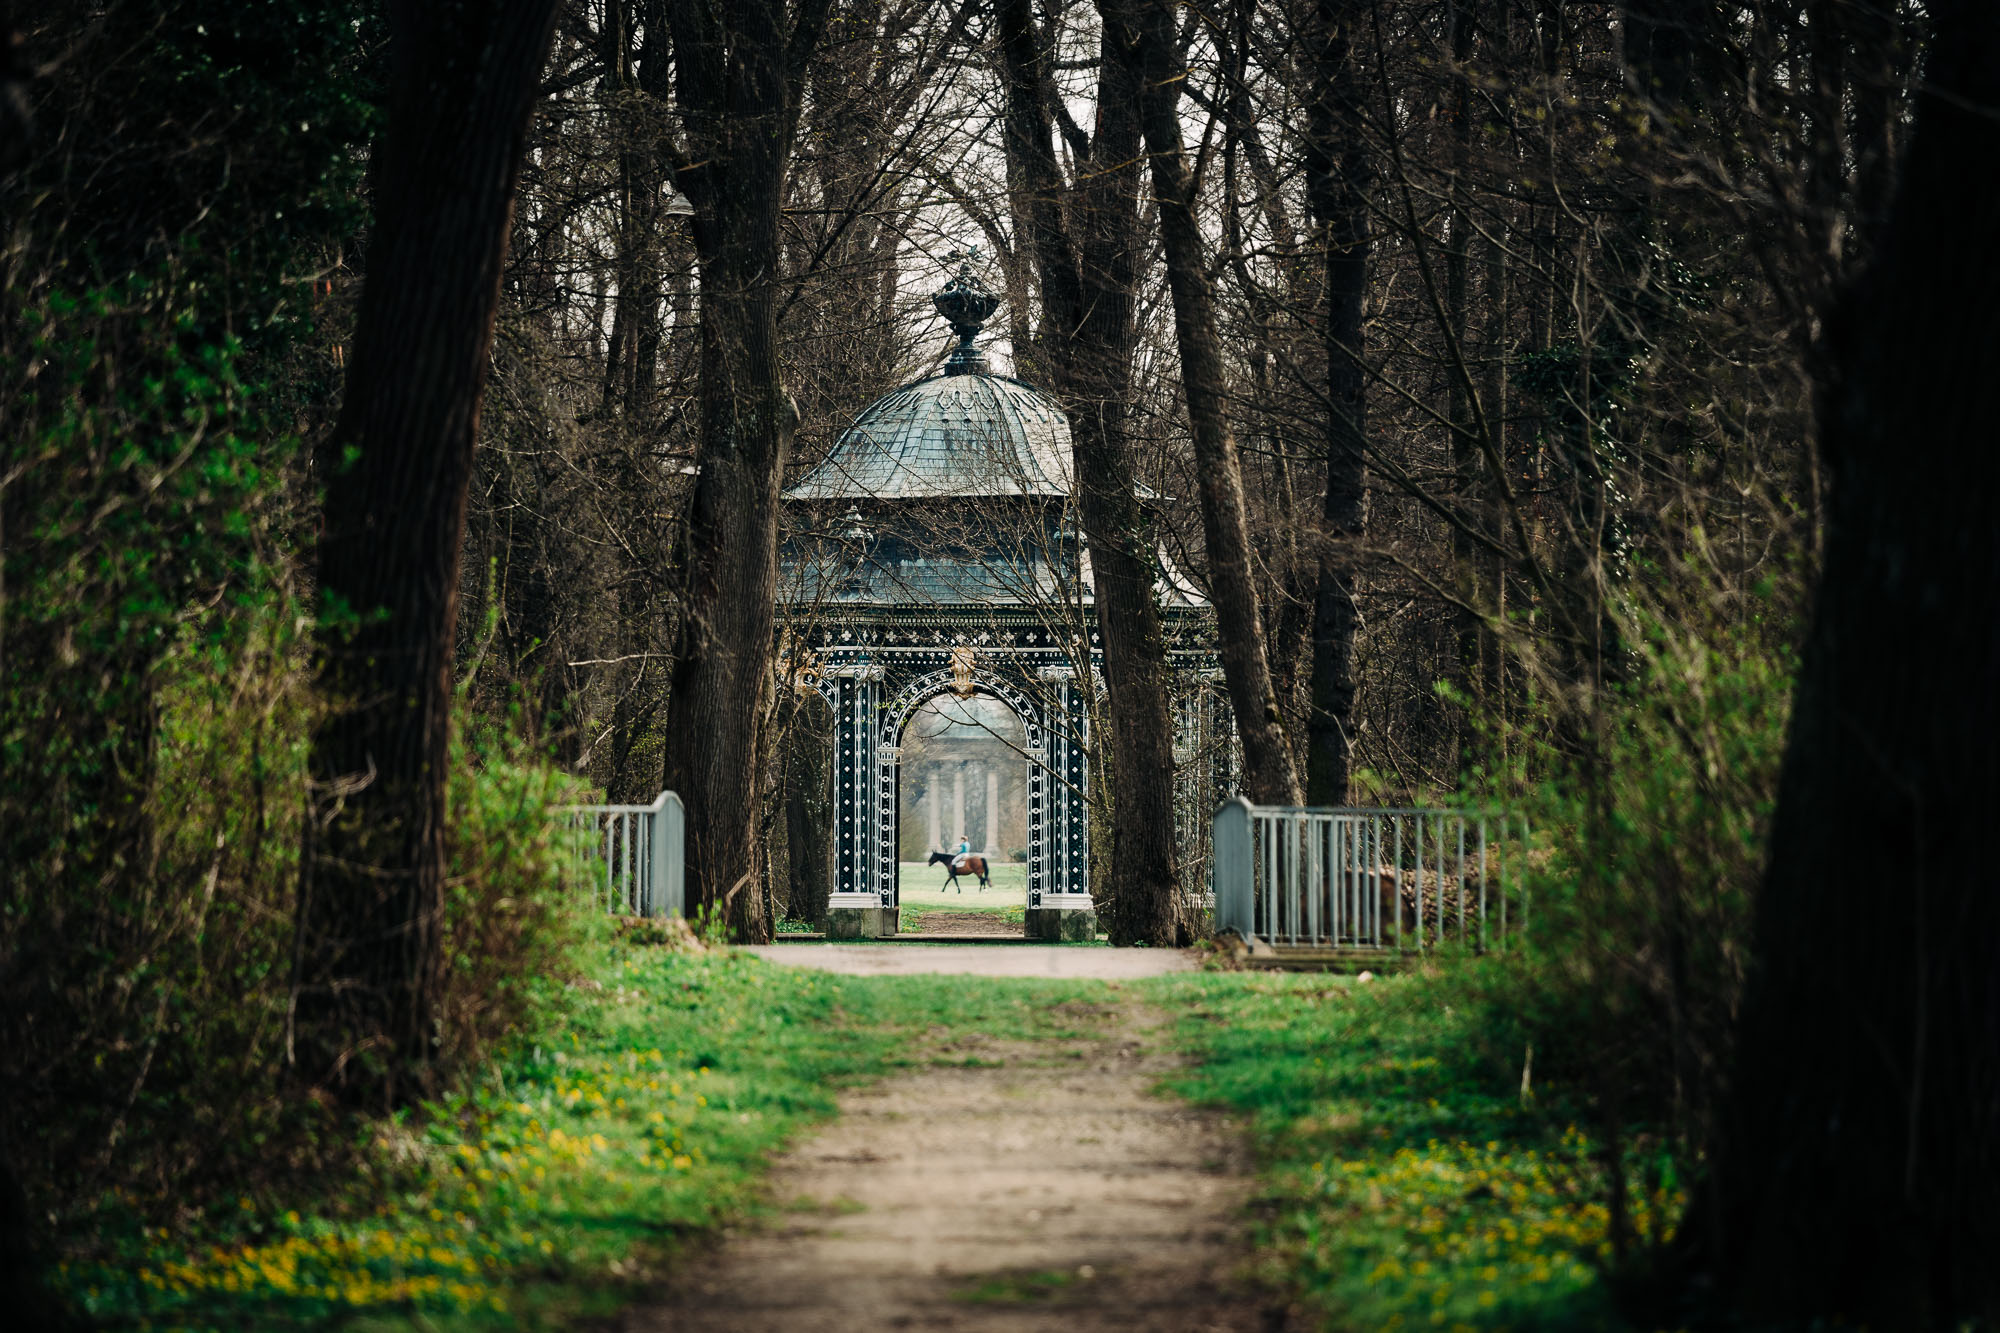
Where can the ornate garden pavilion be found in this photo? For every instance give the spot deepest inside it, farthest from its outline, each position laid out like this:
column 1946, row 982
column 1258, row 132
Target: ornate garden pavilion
column 935, row 550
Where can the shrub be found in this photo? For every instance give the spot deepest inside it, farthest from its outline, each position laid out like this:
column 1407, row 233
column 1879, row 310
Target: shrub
column 149, row 1006
column 144, row 1080
column 1651, row 842
column 512, row 923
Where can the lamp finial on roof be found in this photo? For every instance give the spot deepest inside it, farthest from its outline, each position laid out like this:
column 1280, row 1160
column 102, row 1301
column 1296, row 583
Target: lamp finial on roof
column 966, row 303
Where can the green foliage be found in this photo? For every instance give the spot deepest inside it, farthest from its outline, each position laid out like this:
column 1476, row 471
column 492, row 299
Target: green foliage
column 151, row 1009
column 1650, row 809
column 574, row 1168
column 222, row 132
column 197, row 161
column 512, row 922
column 152, row 1053
column 1652, row 843
column 162, row 354
column 711, row 925
column 155, row 312
column 1408, row 1183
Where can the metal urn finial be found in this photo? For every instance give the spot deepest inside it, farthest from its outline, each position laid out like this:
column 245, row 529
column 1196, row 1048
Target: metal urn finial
column 966, row 303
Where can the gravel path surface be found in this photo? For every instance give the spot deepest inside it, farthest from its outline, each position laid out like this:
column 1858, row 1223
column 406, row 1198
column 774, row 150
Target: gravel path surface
column 980, row 960
column 1003, row 1185
column 967, row 923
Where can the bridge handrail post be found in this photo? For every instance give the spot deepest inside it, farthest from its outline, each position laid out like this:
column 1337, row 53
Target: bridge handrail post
column 651, row 881
column 1230, row 842
column 669, row 896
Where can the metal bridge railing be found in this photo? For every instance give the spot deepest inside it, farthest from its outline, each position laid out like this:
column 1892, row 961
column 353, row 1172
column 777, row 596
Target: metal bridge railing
column 1348, row 878
column 634, row 857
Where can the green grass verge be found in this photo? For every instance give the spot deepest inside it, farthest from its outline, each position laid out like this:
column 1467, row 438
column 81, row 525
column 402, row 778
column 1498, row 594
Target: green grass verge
column 1404, row 1185
column 568, row 1173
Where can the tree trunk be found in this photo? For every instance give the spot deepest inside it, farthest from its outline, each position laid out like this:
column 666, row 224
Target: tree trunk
column 1465, row 423
column 1337, row 180
column 1854, row 1175
column 1288, row 548
column 1089, row 290
column 738, row 69
column 808, row 742
column 396, row 470
column 634, row 345
column 1146, row 28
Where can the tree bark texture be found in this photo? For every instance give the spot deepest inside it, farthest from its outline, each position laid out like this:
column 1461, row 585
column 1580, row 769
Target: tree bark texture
column 1089, row 282
column 396, row 470
column 1287, row 549
column 1146, row 29
column 808, row 741
column 1860, row 1147
column 636, row 65
column 1337, row 183
column 738, row 70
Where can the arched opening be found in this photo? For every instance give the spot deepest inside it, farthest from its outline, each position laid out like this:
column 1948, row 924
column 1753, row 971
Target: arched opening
column 963, row 783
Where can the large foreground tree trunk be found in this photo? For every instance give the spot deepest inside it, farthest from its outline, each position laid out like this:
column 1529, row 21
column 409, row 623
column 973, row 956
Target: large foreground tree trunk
column 1269, row 776
column 1860, row 1148
column 1337, row 178
column 396, row 471
column 1089, row 282
column 738, row 69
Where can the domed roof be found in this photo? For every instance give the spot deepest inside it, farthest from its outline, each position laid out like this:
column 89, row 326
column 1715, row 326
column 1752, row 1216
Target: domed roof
column 965, row 433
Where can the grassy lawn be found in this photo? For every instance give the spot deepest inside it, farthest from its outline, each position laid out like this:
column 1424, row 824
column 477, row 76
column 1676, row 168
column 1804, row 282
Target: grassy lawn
column 919, row 885
column 573, row 1170
column 1403, row 1185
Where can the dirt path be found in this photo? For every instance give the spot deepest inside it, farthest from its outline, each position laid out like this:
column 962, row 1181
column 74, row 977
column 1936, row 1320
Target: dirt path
column 967, row 923
column 1008, row 1185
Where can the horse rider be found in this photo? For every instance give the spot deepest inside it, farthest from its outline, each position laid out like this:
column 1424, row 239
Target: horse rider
column 964, row 850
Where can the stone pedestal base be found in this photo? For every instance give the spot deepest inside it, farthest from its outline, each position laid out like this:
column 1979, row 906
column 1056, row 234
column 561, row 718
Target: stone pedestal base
column 860, row 923
column 1061, row 925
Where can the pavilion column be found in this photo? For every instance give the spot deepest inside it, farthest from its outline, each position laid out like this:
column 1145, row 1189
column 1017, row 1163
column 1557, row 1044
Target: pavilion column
column 887, row 868
column 1035, row 789
column 1067, row 872
column 934, row 804
column 959, row 803
column 1059, row 902
column 992, row 809
column 857, row 777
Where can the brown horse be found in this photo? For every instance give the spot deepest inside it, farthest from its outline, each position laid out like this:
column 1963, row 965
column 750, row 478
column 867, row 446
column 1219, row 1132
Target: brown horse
column 975, row 864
